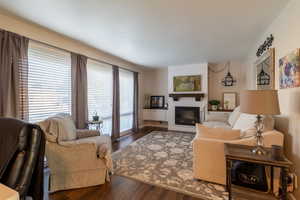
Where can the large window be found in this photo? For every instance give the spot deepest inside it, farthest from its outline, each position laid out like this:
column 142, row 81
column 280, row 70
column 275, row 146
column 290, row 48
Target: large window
column 126, row 99
column 100, row 86
column 49, row 81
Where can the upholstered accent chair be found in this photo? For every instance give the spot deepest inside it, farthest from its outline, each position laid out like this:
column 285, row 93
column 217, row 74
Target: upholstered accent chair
column 76, row 158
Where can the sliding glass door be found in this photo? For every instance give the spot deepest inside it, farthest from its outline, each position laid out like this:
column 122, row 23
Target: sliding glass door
column 126, row 100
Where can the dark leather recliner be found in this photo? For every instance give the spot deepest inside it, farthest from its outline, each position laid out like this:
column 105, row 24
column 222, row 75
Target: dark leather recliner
column 21, row 144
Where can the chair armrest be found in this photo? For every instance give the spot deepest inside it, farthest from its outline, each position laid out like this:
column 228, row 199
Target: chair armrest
column 208, row 160
column 84, row 133
column 72, row 156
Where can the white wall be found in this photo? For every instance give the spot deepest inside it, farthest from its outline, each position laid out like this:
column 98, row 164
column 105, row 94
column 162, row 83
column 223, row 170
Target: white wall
column 183, row 70
column 286, row 31
column 156, row 82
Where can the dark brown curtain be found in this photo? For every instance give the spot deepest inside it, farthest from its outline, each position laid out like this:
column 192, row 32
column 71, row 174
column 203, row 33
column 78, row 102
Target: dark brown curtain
column 13, row 75
column 79, row 90
column 116, row 105
column 135, row 122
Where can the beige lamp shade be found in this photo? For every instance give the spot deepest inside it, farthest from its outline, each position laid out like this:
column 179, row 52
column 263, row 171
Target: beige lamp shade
column 260, row 102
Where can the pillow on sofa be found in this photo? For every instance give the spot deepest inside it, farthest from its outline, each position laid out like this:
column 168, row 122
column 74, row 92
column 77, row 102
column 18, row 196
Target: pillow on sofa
column 245, row 122
column 268, row 122
column 233, row 117
column 217, row 133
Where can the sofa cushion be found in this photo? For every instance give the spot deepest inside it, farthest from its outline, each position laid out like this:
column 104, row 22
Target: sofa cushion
column 233, row 117
column 217, row 133
column 216, row 124
column 217, row 117
column 245, row 122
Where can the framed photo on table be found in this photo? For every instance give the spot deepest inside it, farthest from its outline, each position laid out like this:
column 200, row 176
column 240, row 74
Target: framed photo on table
column 229, row 100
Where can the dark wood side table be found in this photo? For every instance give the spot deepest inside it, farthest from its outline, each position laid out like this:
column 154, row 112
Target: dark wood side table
column 237, row 152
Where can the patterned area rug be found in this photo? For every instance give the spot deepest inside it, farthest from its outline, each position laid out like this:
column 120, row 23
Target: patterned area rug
column 164, row 159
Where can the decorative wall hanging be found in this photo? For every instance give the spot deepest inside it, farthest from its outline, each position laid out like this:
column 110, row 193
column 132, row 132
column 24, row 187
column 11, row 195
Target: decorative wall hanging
column 228, row 80
column 187, row 83
column 265, row 46
column 289, row 70
column 265, row 71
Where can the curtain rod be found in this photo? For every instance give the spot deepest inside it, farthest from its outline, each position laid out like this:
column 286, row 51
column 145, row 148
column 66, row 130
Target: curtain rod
column 94, row 59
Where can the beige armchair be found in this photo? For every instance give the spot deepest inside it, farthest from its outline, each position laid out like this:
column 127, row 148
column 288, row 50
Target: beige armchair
column 208, row 154
column 76, row 158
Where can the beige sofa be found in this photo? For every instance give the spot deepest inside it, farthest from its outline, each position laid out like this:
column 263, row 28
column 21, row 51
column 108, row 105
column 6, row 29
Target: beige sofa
column 76, row 158
column 208, row 153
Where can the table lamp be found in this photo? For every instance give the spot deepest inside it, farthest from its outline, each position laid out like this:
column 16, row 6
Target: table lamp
column 259, row 102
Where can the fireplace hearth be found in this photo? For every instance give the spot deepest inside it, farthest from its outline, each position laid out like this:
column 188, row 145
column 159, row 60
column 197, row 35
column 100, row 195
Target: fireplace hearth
column 187, row 115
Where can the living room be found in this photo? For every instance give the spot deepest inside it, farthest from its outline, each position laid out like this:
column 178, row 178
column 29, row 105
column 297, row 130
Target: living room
column 135, row 85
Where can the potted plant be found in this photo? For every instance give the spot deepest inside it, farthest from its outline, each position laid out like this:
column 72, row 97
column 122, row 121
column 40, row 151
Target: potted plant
column 214, row 104
column 95, row 117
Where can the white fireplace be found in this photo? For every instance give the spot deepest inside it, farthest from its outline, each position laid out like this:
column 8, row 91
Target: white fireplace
column 189, row 102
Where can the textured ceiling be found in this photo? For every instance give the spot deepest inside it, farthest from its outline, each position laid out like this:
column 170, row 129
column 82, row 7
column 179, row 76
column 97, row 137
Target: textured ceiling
column 156, row 32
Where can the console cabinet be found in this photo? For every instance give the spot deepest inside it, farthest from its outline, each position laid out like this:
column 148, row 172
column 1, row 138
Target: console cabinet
column 155, row 114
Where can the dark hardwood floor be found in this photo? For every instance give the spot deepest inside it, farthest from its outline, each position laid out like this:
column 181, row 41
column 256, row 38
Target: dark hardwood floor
column 121, row 188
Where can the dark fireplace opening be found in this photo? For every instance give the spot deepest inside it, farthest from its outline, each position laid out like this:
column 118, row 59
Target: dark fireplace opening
column 187, row 115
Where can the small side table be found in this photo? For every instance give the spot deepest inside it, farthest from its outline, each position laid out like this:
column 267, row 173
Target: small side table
column 97, row 125
column 237, row 152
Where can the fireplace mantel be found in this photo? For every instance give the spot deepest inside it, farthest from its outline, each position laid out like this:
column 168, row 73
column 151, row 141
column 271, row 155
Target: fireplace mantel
column 177, row 96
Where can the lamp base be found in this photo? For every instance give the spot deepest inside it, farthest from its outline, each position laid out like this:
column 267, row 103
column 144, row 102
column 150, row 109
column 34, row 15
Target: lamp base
column 259, row 150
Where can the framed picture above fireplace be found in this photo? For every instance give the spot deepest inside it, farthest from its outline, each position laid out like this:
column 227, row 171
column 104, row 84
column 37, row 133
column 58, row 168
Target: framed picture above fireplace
column 157, row 102
column 187, row 83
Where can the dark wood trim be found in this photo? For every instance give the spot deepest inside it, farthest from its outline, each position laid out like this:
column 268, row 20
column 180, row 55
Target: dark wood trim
column 197, row 96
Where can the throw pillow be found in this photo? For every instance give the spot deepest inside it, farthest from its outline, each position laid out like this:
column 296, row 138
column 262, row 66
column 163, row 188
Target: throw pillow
column 245, row 122
column 233, row 117
column 67, row 130
column 217, row 133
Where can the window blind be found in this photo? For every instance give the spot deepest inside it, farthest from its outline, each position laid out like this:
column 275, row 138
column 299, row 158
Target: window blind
column 126, row 99
column 49, row 81
column 100, row 86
